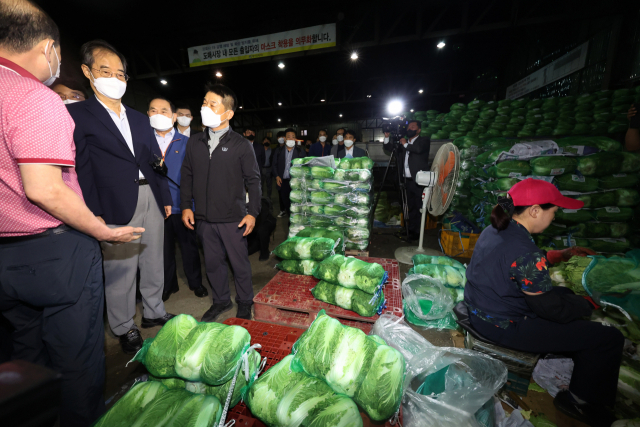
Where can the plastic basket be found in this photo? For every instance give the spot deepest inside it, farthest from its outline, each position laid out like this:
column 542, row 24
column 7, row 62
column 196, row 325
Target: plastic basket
column 457, row 244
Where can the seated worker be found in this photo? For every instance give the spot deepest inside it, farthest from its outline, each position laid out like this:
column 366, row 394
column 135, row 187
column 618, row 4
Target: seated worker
column 350, row 150
column 512, row 302
column 265, row 225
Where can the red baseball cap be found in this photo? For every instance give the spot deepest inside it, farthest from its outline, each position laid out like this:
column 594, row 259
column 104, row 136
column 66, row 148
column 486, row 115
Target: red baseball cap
column 533, row 191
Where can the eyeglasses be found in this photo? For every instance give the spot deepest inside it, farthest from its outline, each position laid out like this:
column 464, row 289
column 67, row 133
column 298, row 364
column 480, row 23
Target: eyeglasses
column 75, row 97
column 108, row 74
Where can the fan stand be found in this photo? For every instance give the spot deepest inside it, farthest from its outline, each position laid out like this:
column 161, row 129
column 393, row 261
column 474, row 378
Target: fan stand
column 406, row 253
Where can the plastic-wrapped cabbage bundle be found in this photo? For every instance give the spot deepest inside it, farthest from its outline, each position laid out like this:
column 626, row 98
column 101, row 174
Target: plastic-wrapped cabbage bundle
column 613, row 214
column 315, row 248
column 613, row 246
column 357, row 211
column 471, row 379
column 354, row 175
column 356, row 163
column 509, row 169
column 573, row 216
column 426, row 297
column 331, row 186
column 597, row 200
column 299, row 184
column 630, row 162
column 356, row 245
column 581, row 184
column 299, row 219
column 454, row 277
column 304, row 267
column 353, row 199
column 418, row 259
column 287, row 399
column 351, row 273
column 300, row 172
column 298, row 196
column 346, row 221
column 600, row 164
column 298, row 208
column 553, row 165
column 321, row 232
column 322, row 220
column 357, row 233
column 364, row 304
column 353, row 364
column 320, row 197
column 294, row 229
column 321, row 172
column 131, row 404
column 621, row 180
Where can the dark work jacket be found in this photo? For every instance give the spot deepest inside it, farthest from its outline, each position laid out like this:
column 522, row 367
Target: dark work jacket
column 318, row 150
column 418, row 155
column 260, row 153
column 489, row 286
column 217, row 182
column 339, row 154
column 173, row 157
column 280, row 159
column 107, row 170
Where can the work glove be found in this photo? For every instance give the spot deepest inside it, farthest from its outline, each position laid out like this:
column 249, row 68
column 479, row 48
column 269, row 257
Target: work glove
column 555, row 257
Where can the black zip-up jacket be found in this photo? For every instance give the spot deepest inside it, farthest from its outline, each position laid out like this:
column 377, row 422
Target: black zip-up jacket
column 217, row 183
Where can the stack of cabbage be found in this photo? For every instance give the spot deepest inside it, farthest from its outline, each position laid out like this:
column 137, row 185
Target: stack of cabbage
column 427, row 119
column 335, row 198
column 302, row 254
column 281, row 398
column 350, row 283
column 187, row 354
column 152, row 404
column 306, row 266
column 599, row 113
column 352, row 363
column 387, row 211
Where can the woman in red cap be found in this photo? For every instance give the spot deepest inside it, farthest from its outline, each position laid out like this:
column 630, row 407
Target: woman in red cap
column 512, row 302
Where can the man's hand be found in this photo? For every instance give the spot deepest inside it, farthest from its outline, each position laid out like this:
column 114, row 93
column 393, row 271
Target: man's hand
column 279, row 181
column 403, row 141
column 386, row 134
column 632, row 112
column 167, row 212
column 187, row 218
column 101, row 220
column 248, row 221
column 123, row 234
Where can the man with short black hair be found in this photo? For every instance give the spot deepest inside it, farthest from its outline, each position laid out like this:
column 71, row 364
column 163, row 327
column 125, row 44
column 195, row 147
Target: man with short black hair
column 250, row 134
column 172, row 144
column 338, row 139
column 115, row 152
column 281, row 167
column 322, row 147
column 184, row 118
column 218, row 171
column 350, row 150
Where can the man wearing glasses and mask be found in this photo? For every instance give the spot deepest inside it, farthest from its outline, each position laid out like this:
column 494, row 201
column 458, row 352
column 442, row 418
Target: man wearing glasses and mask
column 116, row 151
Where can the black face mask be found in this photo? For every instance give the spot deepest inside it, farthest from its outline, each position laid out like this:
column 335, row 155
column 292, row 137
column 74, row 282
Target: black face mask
column 266, row 144
column 411, row 133
column 251, row 137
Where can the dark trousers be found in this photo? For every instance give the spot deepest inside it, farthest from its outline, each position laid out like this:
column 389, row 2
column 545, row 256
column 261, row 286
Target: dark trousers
column 174, row 230
column 52, row 293
column 596, row 351
column 220, row 240
column 285, row 191
column 266, row 179
column 414, row 203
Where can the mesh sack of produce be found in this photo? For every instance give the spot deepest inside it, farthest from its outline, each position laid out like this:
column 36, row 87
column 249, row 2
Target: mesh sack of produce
column 351, row 273
column 446, row 322
column 281, row 398
column 553, row 165
column 476, row 104
column 353, row 199
column 359, row 211
column 129, row 406
column 418, row 287
column 356, row 163
column 611, row 246
column 345, row 221
column 466, row 142
column 622, row 180
column 597, row 200
column 353, row 175
column 357, row 233
column 356, row 245
column 617, row 128
column 501, row 184
column 500, row 119
column 304, row 267
column 600, row 164
column 298, row 196
column 360, row 302
column 322, row 220
column 419, row 259
column 613, row 214
column 509, row 169
column 454, row 277
column 352, row 363
column 334, row 235
column 314, row 248
column 630, row 162
column 298, row 208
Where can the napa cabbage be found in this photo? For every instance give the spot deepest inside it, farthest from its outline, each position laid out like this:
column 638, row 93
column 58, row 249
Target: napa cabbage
column 160, row 358
column 131, row 404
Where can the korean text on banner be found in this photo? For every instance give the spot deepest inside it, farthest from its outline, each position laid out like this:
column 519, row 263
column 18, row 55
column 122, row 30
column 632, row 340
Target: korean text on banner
column 318, row 37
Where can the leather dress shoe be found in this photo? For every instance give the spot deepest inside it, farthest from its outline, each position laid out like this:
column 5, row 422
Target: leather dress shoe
column 165, row 296
column 160, row 321
column 201, row 292
column 244, row 311
column 131, row 342
column 216, row 310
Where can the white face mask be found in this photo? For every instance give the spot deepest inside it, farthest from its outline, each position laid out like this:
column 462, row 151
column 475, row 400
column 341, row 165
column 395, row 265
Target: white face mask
column 323, row 138
column 53, row 78
column 184, row 121
column 160, row 122
column 280, row 140
column 386, row 139
column 111, row 87
column 291, row 143
column 209, row 118
column 340, row 138
column 334, row 142
column 69, row 101
column 348, row 143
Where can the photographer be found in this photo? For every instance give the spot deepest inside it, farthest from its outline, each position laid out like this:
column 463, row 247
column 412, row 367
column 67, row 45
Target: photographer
column 413, row 157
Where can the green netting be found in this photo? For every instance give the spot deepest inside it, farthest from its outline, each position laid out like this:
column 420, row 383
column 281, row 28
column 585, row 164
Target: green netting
column 315, row 248
column 454, row 277
column 351, row 273
column 441, row 260
column 304, row 267
column 364, row 304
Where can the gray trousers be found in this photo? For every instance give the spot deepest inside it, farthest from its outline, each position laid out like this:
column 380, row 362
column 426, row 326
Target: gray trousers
column 121, row 263
column 218, row 241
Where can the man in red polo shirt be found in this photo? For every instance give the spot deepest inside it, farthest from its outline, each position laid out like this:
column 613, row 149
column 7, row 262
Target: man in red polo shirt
column 51, row 288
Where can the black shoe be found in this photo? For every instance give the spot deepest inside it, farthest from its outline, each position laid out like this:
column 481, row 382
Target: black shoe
column 150, row 323
column 263, row 257
column 244, row 311
column 201, row 292
column 216, row 310
column 165, row 296
column 131, row 342
column 593, row 415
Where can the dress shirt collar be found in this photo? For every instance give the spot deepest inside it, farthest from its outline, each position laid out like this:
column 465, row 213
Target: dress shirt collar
column 123, row 111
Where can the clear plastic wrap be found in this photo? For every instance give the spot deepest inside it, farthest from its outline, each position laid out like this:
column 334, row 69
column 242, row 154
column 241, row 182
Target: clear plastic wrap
column 356, row 245
column 304, row 267
column 320, row 197
column 300, row 172
column 315, row 248
column 355, row 163
column 353, row 199
column 353, row 175
column 298, row 208
column 440, row 260
column 426, row 297
column 299, row 196
column 299, row 184
column 322, row 220
column 299, row 219
column 357, row 232
column 454, row 277
column 327, row 161
column 346, row 221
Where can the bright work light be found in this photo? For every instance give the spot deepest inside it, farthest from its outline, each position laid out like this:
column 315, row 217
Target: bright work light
column 441, row 45
column 395, row 107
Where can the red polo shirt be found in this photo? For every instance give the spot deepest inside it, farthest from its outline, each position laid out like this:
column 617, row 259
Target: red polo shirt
column 35, row 128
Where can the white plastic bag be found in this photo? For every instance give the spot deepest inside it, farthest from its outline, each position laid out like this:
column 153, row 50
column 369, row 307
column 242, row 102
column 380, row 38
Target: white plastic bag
column 553, row 375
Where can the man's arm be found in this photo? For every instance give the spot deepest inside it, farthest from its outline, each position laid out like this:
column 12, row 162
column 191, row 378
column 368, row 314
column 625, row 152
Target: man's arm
column 251, row 178
column 274, row 164
column 45, row 188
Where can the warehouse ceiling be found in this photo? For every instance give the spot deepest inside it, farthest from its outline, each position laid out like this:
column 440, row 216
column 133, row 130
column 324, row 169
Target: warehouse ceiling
column 395, row 42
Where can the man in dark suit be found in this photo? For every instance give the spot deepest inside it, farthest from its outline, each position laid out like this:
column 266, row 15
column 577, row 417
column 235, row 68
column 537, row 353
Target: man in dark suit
column 350, row 150
column 115, row 148
column 280, row 169
column 413, row 157
column 250, row 134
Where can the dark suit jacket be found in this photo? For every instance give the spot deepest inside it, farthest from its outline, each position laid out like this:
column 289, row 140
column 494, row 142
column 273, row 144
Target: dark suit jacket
column 280, row 159
column 418, row 155
column 357, row 152
column 106, row 168
column 260, row 154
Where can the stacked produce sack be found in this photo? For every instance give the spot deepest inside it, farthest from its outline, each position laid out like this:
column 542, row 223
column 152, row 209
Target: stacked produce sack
column 306, row 266
column 186, row 354
column 301, row 255
column 333, row 194
column 153, row 404
column 387, row 211
column 351, row 283
column 427, row 119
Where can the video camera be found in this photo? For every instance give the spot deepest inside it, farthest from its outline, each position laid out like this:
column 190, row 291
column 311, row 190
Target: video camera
column 396, row 127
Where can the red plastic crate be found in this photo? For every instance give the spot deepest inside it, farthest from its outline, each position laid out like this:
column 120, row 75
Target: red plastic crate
column 287, row 300
column 276, row 343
